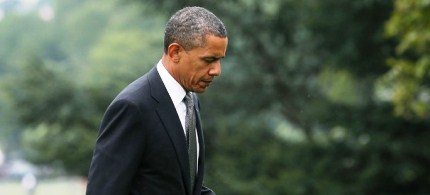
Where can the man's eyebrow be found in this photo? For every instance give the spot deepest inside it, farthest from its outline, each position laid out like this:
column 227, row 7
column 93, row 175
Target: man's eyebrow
column 212, row 57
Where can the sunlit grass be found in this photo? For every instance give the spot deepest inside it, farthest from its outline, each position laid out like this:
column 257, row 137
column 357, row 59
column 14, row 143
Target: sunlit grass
column 59, row 186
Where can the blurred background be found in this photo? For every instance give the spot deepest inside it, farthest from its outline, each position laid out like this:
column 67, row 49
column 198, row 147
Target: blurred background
column 315, row 97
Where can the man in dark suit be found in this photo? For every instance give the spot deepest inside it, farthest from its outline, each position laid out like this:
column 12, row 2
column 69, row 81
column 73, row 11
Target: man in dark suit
column 151, row 140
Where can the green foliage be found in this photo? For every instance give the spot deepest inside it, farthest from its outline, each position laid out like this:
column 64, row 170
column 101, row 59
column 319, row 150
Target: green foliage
column 340, row 87
column 408, row 79
column 67, row 73
column 121, row 52
column 68, row 148
column 58, row 127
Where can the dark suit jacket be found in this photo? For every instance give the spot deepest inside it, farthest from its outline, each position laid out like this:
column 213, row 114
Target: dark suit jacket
column 141, row 147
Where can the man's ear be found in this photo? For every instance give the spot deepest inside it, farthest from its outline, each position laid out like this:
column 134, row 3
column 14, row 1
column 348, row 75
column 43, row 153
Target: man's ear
column 173, row 51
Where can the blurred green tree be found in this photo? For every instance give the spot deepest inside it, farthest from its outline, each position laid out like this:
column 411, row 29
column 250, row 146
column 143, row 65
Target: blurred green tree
column 59, row 88
column 15, row 40
column 407, row 82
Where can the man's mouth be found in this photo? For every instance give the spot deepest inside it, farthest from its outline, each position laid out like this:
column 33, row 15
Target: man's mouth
column 206, row 83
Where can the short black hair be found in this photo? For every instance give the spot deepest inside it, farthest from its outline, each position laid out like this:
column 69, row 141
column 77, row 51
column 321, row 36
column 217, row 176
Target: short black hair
column 189, row 26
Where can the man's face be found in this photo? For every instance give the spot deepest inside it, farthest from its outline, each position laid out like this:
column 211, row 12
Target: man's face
column 198, row 67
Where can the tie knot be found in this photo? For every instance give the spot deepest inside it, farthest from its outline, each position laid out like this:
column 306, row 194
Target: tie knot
column 188, row 99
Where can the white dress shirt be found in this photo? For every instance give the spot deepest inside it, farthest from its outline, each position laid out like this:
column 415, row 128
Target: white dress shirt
column 177, row 95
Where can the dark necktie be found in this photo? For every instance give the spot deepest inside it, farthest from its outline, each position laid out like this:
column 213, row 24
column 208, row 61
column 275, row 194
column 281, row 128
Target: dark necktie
column 190, row 126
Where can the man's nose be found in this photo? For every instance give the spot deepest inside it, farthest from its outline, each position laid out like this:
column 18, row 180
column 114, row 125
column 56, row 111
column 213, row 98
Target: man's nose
column 215, row 69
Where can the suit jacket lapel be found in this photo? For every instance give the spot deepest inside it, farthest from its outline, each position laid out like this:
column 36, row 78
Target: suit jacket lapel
column 167, row 113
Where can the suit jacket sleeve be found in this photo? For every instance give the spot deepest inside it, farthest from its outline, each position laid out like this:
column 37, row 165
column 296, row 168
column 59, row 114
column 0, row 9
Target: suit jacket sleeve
column 118, row 150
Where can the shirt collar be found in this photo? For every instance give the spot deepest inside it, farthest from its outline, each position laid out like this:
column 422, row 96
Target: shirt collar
column 175, row 90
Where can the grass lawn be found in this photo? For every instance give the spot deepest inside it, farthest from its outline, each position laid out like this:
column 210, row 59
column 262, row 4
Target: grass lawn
column 58, row 186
